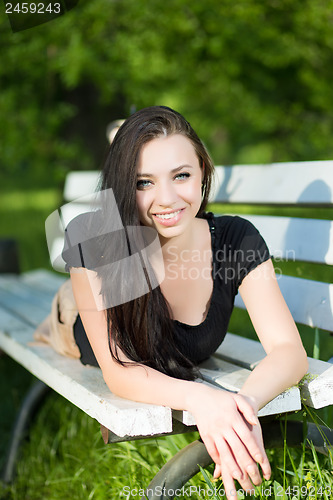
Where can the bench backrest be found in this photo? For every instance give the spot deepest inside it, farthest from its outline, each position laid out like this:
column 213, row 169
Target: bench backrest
column 288, row 185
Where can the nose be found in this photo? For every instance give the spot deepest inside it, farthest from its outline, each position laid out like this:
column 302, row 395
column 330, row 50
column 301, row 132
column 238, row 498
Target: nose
column 166, row 194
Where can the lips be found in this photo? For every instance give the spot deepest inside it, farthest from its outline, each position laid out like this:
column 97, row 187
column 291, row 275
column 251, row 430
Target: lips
column 169, row 218
column 169, row 215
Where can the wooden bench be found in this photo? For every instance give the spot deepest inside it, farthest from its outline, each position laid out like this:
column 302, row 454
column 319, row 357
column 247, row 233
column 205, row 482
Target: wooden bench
column 25, row 301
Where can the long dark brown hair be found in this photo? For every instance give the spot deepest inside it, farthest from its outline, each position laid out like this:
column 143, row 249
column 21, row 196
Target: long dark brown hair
column 142, row 328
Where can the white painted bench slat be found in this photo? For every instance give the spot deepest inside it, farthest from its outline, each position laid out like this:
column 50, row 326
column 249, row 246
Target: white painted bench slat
column 247, row 352
column 232, row 378
column 317, row 386
column 33, row 314
column 79, row 184
column 309, row 240
column 280, row 183
column 9, row 322
column 84, row 386
column 26, row 291
column 277, row 183
column 43, row 280
column 318, row 391
column 310, row 302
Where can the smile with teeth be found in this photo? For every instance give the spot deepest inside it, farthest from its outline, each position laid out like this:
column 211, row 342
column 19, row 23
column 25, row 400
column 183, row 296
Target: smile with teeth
column 167, row 216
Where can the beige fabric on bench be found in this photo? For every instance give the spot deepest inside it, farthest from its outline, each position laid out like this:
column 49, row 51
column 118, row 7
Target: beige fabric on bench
column 57, row 328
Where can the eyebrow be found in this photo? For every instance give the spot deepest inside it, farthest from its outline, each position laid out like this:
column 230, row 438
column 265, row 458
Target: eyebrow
column 173, row 171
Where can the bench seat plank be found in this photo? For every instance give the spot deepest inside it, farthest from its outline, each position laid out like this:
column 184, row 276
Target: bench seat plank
column 25, row 298
column 84, row 386
column 317, row 385
column 43, row 280
column 236, row 349
column 32, row 313
column 233, row 377
column 8, row 322
column 22, row 287
column 317, row 388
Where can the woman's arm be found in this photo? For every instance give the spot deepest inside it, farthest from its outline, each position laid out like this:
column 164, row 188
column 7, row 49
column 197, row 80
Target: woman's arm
column 223, row 419
column 286, row 360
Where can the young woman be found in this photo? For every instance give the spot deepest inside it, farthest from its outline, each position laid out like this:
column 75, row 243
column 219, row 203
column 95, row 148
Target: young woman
column 148, row 348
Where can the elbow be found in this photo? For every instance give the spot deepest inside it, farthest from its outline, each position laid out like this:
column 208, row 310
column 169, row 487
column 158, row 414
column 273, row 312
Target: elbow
column 302, row 363
column 118, row 389
column 114, row 384
column 306, row 363
column 119, row 380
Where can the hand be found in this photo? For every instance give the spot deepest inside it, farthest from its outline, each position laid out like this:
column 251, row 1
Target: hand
column 252, row 472
column 231, row 432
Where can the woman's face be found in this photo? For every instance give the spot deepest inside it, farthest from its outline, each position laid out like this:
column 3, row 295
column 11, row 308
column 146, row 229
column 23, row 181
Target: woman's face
column 168, row 185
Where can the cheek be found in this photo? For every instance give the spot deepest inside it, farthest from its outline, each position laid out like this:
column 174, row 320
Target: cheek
column 142, row 201
column 192, row 191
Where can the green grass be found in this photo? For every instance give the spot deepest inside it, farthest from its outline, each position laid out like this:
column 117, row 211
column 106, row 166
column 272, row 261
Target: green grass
column 65, row 457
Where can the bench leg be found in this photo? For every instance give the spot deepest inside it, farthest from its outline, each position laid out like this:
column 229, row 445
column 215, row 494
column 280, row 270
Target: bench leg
column 184, row 465
column 175, row 473
column 30, row 404
column 316, row 433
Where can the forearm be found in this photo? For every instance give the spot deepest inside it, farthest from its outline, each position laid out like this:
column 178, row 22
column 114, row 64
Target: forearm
column 144, row 384
column 280, row 369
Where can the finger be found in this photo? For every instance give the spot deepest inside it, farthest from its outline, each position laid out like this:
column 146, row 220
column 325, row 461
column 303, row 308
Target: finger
column 229, row 485
column 244, row 460
column 211, row 448
column 217, row 471
column 247, row 411
column 254, row 474
column 228, row 459
column 266, row 468
column 251, row 440
column 247, row 485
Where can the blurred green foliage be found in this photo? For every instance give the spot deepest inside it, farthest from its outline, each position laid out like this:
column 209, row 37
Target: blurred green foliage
column 254, row 78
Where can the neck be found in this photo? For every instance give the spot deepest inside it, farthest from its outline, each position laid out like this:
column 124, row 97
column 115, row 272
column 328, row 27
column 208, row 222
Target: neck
column 172, row 247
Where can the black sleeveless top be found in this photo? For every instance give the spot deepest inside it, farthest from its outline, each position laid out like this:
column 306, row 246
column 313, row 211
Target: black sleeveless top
column 237, row 248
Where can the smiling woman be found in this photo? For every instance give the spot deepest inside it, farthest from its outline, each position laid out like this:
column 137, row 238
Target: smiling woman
column 169, row 196
column 149, row 347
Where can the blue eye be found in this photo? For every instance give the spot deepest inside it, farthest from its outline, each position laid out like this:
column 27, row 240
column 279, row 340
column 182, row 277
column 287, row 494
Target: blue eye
column 142, row 184
column 182, row 175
